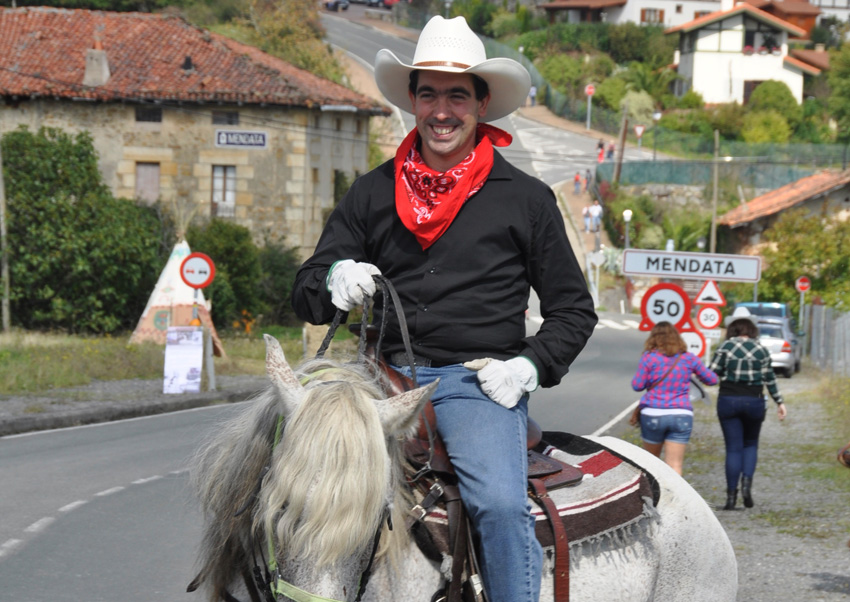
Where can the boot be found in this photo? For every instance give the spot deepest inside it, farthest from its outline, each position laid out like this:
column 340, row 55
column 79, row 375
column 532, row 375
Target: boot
column 731, row 498
column 746, row 491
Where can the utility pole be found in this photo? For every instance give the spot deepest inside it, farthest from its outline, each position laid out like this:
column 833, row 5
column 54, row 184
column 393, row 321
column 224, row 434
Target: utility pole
column 622, row 144
column 4, row 251
column 713, row 244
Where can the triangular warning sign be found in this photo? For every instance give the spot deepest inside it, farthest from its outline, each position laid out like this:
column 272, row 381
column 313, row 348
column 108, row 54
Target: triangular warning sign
column 687, row 326
column 709, row 294
column 645, row 325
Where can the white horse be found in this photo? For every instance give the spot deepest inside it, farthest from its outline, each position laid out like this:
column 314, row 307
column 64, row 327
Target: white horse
column 307, row 476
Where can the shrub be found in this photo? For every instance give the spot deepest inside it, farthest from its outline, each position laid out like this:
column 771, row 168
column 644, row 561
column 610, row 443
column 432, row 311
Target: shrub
column 563, row 72
column 691, row 100
column 728, row 119
column 765, row 126
column 610, row 93
column 775, row 96
column 640, row 106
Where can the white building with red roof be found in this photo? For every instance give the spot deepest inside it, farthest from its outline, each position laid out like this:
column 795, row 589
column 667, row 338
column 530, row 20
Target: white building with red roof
column 724, row 55
column 179, row 113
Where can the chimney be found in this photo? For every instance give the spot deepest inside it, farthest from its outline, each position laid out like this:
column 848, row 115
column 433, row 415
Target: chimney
column 97, row 66
column 727, row 5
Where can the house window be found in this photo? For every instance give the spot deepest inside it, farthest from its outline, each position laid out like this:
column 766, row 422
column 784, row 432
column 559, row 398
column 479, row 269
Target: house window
column 359, row 126
column 749, row 86
column 317, row 121
column 701, row 13
column 149, row 114
column 223, row 190
column 225, row 118
column 678, row 9
column 147, row 181
column 338, row 124
column 651, row 16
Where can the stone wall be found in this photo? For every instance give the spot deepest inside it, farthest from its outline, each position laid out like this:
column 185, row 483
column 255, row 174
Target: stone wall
column 282, row 190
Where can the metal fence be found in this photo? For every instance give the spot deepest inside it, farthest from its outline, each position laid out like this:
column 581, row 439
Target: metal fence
column 758, row 175
column 827, row 341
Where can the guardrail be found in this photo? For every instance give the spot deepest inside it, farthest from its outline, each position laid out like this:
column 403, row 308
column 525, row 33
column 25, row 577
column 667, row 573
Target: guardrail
column 380, row 14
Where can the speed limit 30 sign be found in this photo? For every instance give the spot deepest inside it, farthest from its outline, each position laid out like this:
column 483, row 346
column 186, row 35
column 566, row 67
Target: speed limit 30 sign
column 708, row 317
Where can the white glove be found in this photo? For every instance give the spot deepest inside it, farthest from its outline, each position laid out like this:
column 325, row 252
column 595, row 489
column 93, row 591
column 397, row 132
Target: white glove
column 350, row 283
column 505, row 382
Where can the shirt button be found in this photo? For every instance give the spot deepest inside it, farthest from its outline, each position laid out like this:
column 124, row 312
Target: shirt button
column 432, row 271
column 424, row 308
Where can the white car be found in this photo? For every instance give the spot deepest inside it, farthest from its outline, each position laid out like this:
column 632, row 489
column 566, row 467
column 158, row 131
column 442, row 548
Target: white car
column 780, row 339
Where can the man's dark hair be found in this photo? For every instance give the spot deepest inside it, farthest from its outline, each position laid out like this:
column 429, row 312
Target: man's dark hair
column 742, row 327
column 480, row 86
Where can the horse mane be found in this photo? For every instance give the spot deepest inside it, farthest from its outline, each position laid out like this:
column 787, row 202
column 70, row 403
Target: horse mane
column 326, row 487
column 326, row 491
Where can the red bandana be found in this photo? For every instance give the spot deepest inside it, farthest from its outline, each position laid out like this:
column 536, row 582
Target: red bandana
column 428, row 201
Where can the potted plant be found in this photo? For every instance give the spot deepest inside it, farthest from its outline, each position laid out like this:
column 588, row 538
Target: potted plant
column 776, row 50
column 762, row 49
column 748, row 50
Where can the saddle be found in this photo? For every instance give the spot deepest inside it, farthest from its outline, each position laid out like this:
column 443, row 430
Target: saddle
column 433, row 477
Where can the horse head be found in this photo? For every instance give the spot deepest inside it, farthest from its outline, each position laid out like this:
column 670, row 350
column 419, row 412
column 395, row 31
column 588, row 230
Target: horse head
column 335, row 477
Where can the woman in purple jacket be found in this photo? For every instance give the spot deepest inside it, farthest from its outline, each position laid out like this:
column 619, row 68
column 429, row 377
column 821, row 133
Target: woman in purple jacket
column 665, row 411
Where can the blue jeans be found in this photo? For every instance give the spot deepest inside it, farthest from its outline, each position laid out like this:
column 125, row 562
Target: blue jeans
column 666, row 427
column 487, row 446
column 740, row 419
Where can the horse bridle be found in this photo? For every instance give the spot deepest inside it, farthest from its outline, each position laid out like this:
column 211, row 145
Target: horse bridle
column 278, row 586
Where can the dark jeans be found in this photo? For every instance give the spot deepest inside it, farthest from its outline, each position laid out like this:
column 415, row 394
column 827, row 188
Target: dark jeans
column 741, row 419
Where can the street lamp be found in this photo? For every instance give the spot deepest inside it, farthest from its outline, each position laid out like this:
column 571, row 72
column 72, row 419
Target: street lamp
column 656, row 117
column 701, row 243
column 627, row 217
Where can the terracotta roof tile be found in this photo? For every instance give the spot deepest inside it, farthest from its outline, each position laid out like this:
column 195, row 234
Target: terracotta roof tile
column 786, row 197
column 43, row 53
column 816, row 58
column 757, row 13
column 804, row 66
column 574, row 4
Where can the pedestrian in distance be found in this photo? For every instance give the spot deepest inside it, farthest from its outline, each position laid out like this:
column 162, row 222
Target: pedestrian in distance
column 456, row 229
column 577, row 183
column 532, row 95
column 600, row 146
column 588, row 180
column 595, row 215
column 611, row 149
column 743, row 365
column 585, row 214
column 601, row 156
column 665, row 412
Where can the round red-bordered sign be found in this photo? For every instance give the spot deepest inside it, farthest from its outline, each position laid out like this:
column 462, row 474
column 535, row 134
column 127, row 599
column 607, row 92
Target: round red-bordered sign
column 197, row 270
column 803, row 284
column 590, row 89
column 708, row 317
column 665, row 302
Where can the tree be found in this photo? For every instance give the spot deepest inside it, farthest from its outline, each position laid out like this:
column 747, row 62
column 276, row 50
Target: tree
column 839, row 99
column 78, row 257
column 801, row 244
column 655, row 82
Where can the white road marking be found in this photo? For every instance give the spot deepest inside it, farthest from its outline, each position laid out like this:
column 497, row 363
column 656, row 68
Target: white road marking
column 613, row 324
column 147, row 480
column 72, row 506
column 109, row 491
column 602, row 430
column 8, row 546
column 40, row 525
column 632, row 323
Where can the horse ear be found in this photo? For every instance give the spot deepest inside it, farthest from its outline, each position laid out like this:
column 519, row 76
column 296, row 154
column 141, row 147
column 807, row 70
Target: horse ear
column 399, row 413
column 282, row 375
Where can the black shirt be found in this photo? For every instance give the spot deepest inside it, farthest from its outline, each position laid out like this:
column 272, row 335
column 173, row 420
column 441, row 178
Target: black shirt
column 465, row 296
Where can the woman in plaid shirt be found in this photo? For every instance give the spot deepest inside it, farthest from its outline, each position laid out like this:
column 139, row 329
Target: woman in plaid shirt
column 665, row 411
column 743, row 365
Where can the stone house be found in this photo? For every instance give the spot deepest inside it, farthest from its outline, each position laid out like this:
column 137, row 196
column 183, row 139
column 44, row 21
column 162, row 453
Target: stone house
column 185, row 115
column 824, row 193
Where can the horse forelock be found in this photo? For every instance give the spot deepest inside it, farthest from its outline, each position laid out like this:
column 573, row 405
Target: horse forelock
column 331, row 476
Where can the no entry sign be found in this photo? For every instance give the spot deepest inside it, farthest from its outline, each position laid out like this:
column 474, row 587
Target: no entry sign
column 590, row 89
column 803, row 284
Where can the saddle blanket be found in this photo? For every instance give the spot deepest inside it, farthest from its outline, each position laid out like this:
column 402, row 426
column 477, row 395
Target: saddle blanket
column 613, row 496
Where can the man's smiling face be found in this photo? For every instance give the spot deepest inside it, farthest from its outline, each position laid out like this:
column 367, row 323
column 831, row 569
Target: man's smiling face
column 447, row 114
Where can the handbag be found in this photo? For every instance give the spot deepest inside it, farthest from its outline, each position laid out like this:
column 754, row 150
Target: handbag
column 635, row 419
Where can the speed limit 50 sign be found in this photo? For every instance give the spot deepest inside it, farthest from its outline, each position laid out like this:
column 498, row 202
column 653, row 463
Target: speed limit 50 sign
column 665, row 302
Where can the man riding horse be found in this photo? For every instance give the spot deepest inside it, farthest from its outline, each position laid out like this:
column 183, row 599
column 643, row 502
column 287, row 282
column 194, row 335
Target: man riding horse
column 463, row 236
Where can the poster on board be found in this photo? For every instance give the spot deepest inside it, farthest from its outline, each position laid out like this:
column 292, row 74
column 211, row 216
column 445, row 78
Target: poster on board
column 184, row 359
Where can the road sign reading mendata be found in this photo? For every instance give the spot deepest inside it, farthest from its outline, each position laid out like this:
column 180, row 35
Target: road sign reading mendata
column 693, row 266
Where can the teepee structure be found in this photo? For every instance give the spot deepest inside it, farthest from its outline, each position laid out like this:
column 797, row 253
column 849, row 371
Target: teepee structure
column 171, row 304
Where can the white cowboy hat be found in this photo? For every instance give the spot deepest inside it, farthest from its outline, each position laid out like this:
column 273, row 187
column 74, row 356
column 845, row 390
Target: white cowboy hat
column 741, row 313
column 450, row 46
